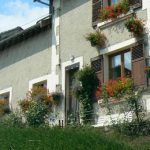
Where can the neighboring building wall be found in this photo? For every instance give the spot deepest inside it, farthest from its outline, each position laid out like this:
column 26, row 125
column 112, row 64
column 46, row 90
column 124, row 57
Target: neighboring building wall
column 23, row 62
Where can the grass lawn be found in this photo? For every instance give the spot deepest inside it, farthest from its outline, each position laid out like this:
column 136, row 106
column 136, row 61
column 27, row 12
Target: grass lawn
column 62, row 139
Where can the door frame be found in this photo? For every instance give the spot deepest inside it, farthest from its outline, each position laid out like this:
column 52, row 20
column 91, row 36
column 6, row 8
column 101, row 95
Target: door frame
column 64, row 65
column 74, row 67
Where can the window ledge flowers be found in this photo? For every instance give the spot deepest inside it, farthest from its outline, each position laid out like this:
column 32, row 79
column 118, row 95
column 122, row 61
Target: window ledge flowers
column 114, row 90
column 114, row 11
column 135, row 26
column 97, row 39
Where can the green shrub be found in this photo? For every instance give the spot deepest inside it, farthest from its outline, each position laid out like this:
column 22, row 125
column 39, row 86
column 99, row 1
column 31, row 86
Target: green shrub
column 37, row 105
column 14, row 119
column 36, row 114
column 133, row 128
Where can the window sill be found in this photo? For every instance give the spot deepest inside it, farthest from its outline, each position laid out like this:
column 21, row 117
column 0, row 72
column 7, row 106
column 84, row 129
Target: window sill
column 110, row 22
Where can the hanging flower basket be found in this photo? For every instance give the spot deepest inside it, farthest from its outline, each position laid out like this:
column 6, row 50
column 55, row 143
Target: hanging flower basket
column 97, row 39
column 135, row 26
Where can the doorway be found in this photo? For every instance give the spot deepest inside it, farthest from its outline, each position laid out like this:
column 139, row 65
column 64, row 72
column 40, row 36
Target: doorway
column 71, row 103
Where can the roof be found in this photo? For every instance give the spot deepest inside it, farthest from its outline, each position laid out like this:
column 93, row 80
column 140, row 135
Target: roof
column 8, row 33
column 18, row 35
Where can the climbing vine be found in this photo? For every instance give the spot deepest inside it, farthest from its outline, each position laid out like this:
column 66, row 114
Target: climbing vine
column 85, row 93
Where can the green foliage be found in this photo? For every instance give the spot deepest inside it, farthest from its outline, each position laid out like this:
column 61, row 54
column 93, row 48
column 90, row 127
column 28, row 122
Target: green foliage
column 138, row 126
column 37, row 105
column 97, row 39
column 133, row 128
column 86, row 92
column 134, row 104
column 125, row 6
column 14, row 119
column 58, row 139
column 36, row 114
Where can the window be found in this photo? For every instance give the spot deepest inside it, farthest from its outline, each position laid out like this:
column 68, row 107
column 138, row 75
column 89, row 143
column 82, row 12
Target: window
column 4, row 103
column 120, row 65
column 43, row 81
column 42, row 84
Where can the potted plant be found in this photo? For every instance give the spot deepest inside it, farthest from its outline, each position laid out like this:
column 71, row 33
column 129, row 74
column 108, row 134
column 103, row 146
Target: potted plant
column 97, row 39
column 135, row 26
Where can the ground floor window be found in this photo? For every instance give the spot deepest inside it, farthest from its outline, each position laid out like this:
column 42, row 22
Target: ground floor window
column 4, row 103
column 120, row 65
column 42, row 84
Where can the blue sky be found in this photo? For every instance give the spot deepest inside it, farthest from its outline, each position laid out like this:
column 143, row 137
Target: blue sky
column 22, row 13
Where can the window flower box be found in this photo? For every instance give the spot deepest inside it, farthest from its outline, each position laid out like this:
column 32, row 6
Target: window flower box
column 114, row 11
column 114, row 91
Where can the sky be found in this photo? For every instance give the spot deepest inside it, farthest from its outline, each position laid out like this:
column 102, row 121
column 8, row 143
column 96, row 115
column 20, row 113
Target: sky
column 22, row 13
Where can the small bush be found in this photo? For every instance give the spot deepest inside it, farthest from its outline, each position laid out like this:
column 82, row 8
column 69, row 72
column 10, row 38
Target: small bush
column 14, row 119
column 133, row 128
column 36, row 114
column 37, row 105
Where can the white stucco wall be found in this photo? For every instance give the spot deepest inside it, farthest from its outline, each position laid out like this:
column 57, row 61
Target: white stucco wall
column 23, row 62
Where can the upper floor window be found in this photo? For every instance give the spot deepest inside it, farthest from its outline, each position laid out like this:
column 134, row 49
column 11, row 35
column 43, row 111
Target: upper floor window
column 42, row 84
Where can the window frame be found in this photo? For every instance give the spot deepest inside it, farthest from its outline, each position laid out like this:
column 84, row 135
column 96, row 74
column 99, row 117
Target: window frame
column 122, row 62
column 39, row 80
column 8, row 90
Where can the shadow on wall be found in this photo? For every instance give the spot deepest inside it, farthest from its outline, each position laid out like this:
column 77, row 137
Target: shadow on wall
column 25, row 49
